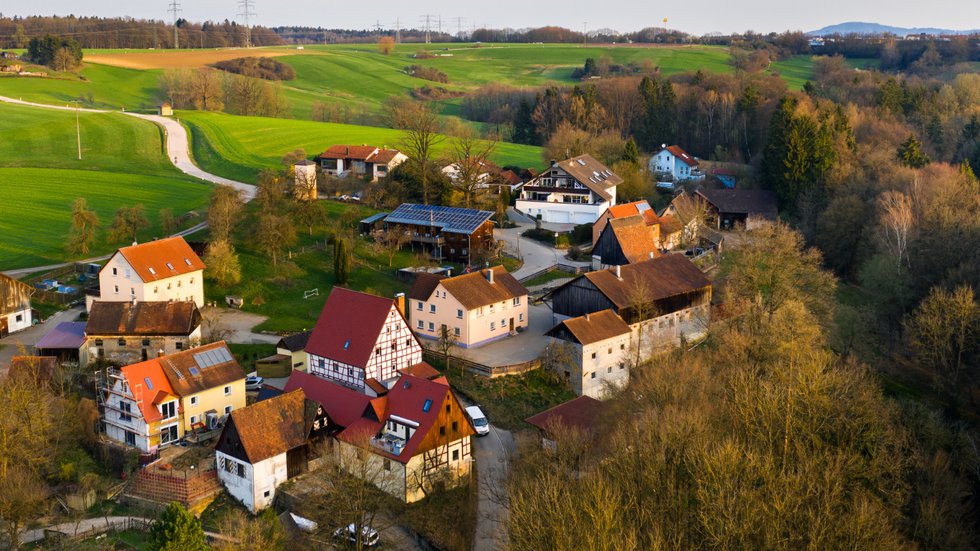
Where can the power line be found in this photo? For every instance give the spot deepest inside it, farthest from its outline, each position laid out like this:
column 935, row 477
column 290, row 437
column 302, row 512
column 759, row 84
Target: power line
column 459, row 25
column 174, row 8
column 398, row 31
column 427, row 18
column 247, row 6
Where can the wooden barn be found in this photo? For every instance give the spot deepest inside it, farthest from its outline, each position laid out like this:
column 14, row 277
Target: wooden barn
column 15, row 305
column 450, row 233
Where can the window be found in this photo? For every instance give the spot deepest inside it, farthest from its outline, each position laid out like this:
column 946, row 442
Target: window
column 227, row 410
column 421, row 324
column 493, row 326
column 128, row 273
column 503, row 323
column 455, row 426
column 442, row 430
column 622, row 365
column 408, row 342
column 459, row 314
column 169, row 410
column 479, row 312
column 146, row 342
column 609, row 369
column 593, row 375
column 456, row 331
column 593, row 355
column 241, row 470
column 347, row 342
column 491, row 308
column 115, row 271
column 622, row 346
column 517, row 301
column 194, row 400
column 455, row 455
column 432, row 326
column 193, row 420
column 20, row 317
column 180, row 346
column 420, row 306
column 377, row 351
column 266, row 493
column 169, row 285
column 228, row 390
column 192, row 281
column 132, row 291
column 610, row 351
column 427, row 405
column 116, row 289
column 448, row 407
column 432, row 308
column 520, row 317
column 125, row 409
column 98, row 342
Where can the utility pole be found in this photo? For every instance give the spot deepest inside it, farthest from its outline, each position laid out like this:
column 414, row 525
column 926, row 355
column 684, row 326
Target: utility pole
column 459, row 26
column 398, row 31
column 585, row 33
column 427, row 18
column 78, row 130
column 440, row 24
column 247, row 6
column 174, row 8
column 377, row 26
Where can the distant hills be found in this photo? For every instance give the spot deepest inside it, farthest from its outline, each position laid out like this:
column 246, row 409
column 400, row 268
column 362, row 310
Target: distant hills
column 857, row 27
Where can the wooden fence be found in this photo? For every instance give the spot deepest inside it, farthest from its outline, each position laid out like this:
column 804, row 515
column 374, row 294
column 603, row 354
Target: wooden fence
column 186, row 487
column 482, row 370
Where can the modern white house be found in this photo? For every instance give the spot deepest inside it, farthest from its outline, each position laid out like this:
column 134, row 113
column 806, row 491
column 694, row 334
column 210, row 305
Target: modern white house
column 140, row 408
column 361, row 341
column 599, row 346
column 161, row 270
column 15, row 305
column 573, row 191
column 475, row 308
column 676, row 162
column 265, row 444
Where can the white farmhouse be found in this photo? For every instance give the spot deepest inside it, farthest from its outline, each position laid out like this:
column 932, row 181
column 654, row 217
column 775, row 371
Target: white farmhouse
column 573, row 191
column 161, row 270
column 15, row 305
column 265, row 444
column 599, row 344
column 676, row 162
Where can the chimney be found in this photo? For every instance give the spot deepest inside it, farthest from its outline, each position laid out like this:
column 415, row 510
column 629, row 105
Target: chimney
column 651, row 255
column 619, row 275
column 160, row 353
column 400, row 302
column 490, row 275
column 553, row 162
column 586, row 316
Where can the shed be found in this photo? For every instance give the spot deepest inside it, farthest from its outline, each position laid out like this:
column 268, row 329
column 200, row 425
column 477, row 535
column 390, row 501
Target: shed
column 373, row 222
column 165, row 110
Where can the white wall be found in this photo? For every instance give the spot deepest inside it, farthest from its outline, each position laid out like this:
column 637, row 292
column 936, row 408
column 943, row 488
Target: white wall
column 260, row 479
column 609, row 368
column 239, row 487
column 563, row 213
column 125, row 284
column 13, row 324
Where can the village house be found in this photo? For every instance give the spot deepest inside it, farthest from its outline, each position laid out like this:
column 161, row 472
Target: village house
column 625, row 241
column 294, row 347
column 154, row 403
column 474, row 308
column 361, row 341
column 599, row 346
column 625, row 210
column 15, row 305
column 573, row 191
column 665, row 300
column 362, row 161
column 576, row 419
column 686, row 216
column 130, row 332
column 410, row 441
column 674, row 161
column 66, row 341
column 267, row 443
column 161, row 270
column 451, row 233
column 748, row 208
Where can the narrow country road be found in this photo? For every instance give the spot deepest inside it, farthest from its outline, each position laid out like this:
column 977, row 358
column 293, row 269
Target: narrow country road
column 536, row 255
column 178, row 153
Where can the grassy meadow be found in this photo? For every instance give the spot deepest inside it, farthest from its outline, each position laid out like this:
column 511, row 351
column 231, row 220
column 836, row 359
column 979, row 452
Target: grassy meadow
column 40, row 176
column 239, row 147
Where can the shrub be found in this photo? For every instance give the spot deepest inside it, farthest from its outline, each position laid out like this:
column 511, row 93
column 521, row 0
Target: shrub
column 427, row 73
column 257, row 67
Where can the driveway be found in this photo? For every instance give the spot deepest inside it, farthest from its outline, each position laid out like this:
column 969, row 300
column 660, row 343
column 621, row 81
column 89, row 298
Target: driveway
column 523, row 347
column 16, row 343
column 237, row 325
column 537, row 256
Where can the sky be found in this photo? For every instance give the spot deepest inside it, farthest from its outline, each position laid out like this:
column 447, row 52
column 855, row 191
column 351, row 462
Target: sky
column 693, row 16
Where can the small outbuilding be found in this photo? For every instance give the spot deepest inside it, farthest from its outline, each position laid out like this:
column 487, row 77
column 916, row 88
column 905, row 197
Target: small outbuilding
column 165, row 110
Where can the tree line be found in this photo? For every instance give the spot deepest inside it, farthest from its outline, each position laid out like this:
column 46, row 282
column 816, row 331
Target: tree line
column 208, row 89
column 125, row 32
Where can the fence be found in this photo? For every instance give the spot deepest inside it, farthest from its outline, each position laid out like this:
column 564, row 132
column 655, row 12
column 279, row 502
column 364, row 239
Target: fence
column 186, row 487
column 488, row 371
column 572, row 270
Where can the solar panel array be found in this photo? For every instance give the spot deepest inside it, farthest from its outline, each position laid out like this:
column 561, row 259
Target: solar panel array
column 451, row 219
column 213, row 357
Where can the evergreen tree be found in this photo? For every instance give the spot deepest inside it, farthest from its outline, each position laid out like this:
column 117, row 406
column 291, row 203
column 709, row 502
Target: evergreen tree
column 341, row 261
column 177, row 530
column 523, row 125
column 630, row 153
column 910, row 153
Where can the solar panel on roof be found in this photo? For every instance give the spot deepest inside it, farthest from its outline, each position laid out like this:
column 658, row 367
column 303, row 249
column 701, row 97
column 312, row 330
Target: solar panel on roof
column 213, row 357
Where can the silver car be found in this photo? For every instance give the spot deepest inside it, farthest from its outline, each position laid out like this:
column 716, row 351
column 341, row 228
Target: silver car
column 479, row 420
column 369, row 536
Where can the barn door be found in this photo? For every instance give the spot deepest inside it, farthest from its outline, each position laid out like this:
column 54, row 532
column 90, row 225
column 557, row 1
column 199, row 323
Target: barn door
column 295, row 461
column 3, row 326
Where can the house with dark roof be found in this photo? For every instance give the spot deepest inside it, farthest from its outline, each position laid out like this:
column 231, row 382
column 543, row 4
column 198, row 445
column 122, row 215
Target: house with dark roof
column 580, row 414
column 154, row 403
column 362, row 161
column 625, row 210
column 598, row 346
column 129, row 332
column 664, row 300
column 161, row 270
column 267, row 443
column 15, row 305
column 294, row 346
column 625, row 241
column 66, row 341
column 728, row 208
column 676, row 162
column 417, row 433
column 450, row 233
column 573, row 191
column 475, row 308
column 361, row 341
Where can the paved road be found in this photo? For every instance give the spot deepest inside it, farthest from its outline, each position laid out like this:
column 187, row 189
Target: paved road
column 536, row 255
column 177, row 151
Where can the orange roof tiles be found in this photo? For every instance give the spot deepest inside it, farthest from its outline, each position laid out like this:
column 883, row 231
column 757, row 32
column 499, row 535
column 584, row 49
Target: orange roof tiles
column 162, row 258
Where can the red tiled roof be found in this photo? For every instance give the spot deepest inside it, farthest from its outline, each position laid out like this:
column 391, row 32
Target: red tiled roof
column 580, row 413
column 422, row 370
column 149, row 385
column 591, row 328
column 384, row 156
column 631, row 209
column 342, row 405
column 349, row 325
column 682, row 155
column 359, row 152
column 162, row 258
column 635, row 237
column 271, row 427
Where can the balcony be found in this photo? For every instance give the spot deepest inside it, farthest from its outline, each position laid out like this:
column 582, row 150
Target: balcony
column 429, row 239
column 389, row 443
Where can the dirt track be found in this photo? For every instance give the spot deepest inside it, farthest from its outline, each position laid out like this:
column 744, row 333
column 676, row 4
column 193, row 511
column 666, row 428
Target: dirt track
column 143, row 59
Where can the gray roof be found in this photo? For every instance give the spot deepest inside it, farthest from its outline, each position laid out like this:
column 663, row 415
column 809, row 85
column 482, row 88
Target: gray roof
column 450, row 219
column 374, row 218
column 67, row 334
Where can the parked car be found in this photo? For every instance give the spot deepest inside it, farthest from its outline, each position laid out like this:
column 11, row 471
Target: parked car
column 253, row 382
column 480, row 422
column 369, row 536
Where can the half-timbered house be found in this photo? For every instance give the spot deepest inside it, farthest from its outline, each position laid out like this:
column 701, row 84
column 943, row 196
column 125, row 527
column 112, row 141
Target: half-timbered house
column 361, row 341
column 15, row 305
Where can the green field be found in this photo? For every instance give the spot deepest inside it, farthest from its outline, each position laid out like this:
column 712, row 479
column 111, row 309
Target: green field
column 40, row 176
column 239, row 147
column 98, row 86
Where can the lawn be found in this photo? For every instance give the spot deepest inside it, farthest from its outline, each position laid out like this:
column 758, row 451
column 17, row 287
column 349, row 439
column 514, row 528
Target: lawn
column 239, row 147
column 40, row 176
column 99, row 86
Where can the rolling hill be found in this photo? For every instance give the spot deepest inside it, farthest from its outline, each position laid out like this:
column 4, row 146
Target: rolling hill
column 857, row 27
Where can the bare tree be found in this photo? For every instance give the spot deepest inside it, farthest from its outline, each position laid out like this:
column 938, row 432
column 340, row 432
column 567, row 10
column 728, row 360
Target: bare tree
column 127, row 223
column 223, row 212
column 446, row 344
column 392, row 240
column 942, row 330
column 206, row 91
column 897, row 220
column 273, row 234
column 421, row 126
column 471, row 161
column 84, row 225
